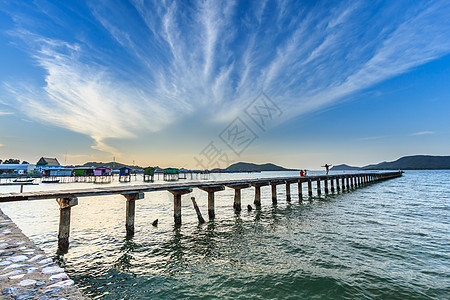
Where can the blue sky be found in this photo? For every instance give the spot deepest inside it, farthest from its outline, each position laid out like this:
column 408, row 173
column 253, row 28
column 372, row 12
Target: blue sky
column 156, row 82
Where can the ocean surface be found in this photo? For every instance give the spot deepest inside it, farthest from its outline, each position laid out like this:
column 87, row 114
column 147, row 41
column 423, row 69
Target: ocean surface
column 387, row 240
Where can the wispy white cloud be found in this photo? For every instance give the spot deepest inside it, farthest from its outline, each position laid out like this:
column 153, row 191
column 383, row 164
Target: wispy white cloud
column 422, row 133
column 165, row 60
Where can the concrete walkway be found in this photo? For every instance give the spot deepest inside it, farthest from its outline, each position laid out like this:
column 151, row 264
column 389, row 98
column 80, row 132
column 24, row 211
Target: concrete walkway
column 26, row 272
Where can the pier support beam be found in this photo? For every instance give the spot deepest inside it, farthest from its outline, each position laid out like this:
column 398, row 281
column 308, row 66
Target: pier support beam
column 309, row 188
column 258, row 186
column 237, row 195
column 274, row 194
column 274, row 191
column 332, row 184
column 211, row 190
column 300, row 191
column 65, row 205
column 319, row 192
column 131, row 211
column 348, row 183
column 326, row 185
column 288, row 191
column 343, row 183
column 177, row 203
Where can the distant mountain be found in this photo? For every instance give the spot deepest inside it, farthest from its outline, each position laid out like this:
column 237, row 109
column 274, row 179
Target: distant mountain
column 344, row 167
column 242, row 166
column 111, row 165
column 415, row 162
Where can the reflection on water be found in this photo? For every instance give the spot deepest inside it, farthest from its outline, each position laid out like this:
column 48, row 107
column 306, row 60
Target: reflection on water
column 387, row 240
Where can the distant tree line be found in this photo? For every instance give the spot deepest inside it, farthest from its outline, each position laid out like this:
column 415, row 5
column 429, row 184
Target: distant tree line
column 13, row 161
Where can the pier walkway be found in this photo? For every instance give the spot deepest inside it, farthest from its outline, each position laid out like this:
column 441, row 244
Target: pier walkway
column 69, row 198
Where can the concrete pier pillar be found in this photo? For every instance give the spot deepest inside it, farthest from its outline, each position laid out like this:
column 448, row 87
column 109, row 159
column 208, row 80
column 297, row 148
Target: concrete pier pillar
column 177, row 203
column 309, row 188
column 237, row 200
column 338, row 188
column 274, row 193
column 352, row 179
column 300, row 191
column 258, row 186
column 347, row 183
column 211, row 190
column 343, row 183
column 332, row 184
column 131, row 211
column 319, row 192
column 65, row 205
column 257, row 200
column 237, row 195
column 326, row 185
column 288, row 191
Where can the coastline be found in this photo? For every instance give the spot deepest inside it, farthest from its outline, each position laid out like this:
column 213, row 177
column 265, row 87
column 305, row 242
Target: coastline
column 26, row 272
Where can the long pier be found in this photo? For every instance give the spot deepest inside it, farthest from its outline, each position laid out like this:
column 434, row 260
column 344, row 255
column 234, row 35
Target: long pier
column 69, row 198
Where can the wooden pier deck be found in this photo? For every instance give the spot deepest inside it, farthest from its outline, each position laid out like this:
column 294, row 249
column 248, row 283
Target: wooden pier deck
column 69, row 198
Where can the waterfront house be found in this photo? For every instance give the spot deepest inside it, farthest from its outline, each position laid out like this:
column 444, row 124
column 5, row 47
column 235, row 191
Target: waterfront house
column 102, row 171
column 19, row 169
column 83, row 171
column 171, row 174
column 46, row 163
column 125, row 171
column 57, row 172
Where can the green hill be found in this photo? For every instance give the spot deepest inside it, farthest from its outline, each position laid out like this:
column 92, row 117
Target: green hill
column 111, row 165
column 242, row 166
column 344, row 167
column 415, row 162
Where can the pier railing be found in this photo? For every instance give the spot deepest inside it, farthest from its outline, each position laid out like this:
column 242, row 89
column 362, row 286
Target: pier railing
column 69, row 198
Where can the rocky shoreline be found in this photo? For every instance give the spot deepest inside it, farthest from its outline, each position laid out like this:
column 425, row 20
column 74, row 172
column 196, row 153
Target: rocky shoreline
column 26, row 272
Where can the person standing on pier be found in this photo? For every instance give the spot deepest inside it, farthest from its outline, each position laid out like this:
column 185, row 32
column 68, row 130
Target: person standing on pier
column 327, row 167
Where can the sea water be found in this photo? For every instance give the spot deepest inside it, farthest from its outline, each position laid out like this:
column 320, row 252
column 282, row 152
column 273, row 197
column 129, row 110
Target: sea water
column 385, row 240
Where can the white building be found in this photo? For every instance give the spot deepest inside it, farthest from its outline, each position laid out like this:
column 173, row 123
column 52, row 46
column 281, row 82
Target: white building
column 18, row 168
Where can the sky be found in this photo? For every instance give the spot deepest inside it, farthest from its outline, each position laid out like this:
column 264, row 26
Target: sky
column 203, row 84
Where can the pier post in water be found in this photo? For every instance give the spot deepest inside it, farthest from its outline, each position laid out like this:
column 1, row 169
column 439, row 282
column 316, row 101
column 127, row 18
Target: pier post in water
column 338, row 188
column 347, row 183
column 197, row 210
column 65, row 205
column 131, row 211
column 258, row 186
column 319, row 192
column 274, row 193
column 352, row 179
column 237, row 195
column 332, row 184
column 288, row 190
column 274, row 190
column 211, row 190
column 309, row 188
column 300, row 191
column 343, row 183
column 326, row 185
column 177, row 203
